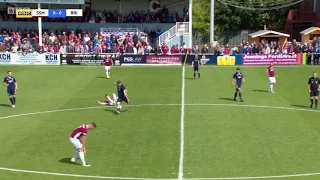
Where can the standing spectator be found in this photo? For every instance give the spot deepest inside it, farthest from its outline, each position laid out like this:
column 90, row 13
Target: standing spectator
column 129, row 48
column 241, row 49
column 159, row 31
column 14, row 48
column 63, row 49
column 226, row 50
column 140, row 49
column 165, row 48
column 205, row 49
column 52, row 38
column 135, row 38
column 157, row 50
column 153, row 36
column 315, row 52
column 309, row 55
column 195, row 49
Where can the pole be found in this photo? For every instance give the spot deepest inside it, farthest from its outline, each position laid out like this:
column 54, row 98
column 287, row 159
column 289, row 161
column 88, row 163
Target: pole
column 120, row 7
column 212, row 21
column 190, row 23
column 40, row 27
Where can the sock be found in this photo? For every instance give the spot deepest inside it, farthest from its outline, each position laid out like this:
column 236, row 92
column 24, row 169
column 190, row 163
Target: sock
column 271, row 87
column 107, row 73
column 311, row 100
column 114, row 97
column 194, row 75
column 198, row 75
column 14, row 100
column 316, row 102
column 81, row 155
column 235, row 94
column 76, row 154
column 11, row 100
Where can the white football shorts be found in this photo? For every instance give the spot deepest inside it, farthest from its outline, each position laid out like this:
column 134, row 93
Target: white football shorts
column 107, row 68
column 76, row 143
column 272, row 79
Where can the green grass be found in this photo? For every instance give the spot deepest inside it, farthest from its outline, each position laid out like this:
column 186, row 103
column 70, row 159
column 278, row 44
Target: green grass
column 144, row 141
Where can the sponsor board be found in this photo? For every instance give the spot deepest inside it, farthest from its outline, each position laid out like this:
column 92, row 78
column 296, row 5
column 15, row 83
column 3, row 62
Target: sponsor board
column 133, row 59
column 204, row 60
column 5, row 58
column 30, row 59
column 23, row 13
column 263, row 59
column 226, row 60
column 164, row 59
column 86, row 59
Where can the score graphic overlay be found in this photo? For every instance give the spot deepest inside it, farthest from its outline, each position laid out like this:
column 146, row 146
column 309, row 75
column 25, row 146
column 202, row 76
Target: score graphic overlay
column 23, row 13
column 57, row 13
column 50, row 13
column 74, row 12
column 40, row 12
column 11, row 10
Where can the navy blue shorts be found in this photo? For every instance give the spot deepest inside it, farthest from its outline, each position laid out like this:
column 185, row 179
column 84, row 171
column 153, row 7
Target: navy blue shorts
column 11, row 92
column 125, row 99
column 196, row 68
column 238, row 86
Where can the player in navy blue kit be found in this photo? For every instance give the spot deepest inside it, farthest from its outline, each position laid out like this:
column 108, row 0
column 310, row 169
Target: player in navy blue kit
column 313, row 86
column 196, row 62
column 12, row 87
column 122, row 95
column 237, row 81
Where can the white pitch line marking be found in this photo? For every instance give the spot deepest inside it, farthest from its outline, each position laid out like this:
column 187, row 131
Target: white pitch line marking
column 141, row 105
column 258, row 177
column 180, row 173
column 77, row 175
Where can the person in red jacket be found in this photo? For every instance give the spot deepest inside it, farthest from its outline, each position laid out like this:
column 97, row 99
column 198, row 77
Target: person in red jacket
column 164, row 48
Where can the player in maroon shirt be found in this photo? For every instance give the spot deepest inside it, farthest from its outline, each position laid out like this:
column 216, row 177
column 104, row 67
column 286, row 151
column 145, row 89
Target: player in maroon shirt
column 78, row 139
column 109, row 101
column 107, row 61
column 271, row 71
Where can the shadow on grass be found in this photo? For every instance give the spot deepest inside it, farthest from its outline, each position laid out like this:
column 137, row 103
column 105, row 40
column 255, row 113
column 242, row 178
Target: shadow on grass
column 300, row 106
column 101, row 77
column 227, row 99
column 5, row 105
column 67, row 161
column 188, row 78
column 259, row 90
column 114, row 111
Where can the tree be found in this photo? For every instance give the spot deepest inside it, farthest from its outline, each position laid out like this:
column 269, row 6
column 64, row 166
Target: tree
column 229, row 18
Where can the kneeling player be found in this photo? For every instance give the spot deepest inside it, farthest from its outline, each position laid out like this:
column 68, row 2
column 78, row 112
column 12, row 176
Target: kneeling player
column 109, row 101
column 122, row 95
column 313, row 86
column 237, row 81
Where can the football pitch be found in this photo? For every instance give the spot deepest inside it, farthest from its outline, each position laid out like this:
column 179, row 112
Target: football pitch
column 176, row 128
